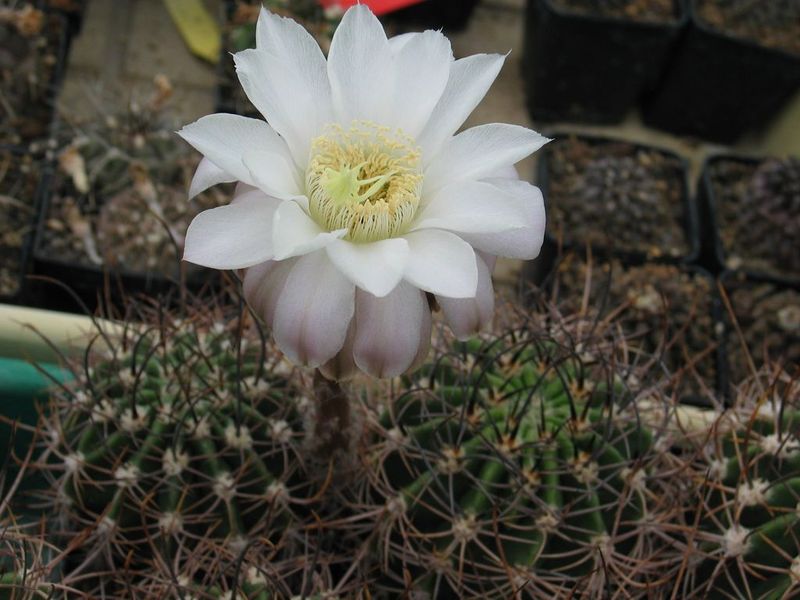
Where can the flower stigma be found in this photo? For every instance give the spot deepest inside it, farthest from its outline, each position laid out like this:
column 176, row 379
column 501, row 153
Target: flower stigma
column 366, row 179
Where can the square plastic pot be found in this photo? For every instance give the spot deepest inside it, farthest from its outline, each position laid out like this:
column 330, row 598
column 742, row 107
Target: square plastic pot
column 714, row 254
column 689, row 222
column 591, row 69
column 719, row 86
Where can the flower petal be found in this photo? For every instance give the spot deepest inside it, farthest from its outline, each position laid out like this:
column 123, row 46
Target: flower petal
column 234, row 236
column 480, row 151
column 472, row 207
column 286, row 79
column 442, row 263
column 314, row 311
column 225, row 139
column 360, row 69
column 263, row 285
column 375, row 267
column 389, row 330
column 470, row 79
column 422, row 69
column 424, row 341
column 273, row 173
column 522, row 242
column 294, row 233
column 467, row 316
column 207, row 175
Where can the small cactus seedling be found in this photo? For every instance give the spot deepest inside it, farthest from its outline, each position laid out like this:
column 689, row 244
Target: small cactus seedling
column 181, row 433
column 748, row 507
column 518, row 467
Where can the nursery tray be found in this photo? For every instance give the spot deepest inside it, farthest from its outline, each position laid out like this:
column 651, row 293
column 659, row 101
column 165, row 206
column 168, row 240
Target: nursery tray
column 689, row 224
column 591, row 68
column 719, row 86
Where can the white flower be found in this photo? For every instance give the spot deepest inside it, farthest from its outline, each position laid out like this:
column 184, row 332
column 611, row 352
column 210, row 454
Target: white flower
column 355, row 198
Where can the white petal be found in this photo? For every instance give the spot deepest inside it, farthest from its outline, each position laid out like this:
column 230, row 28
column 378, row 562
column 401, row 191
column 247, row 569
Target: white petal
column 375, row 267
column 235, row 236
column 314, row 311
column 398, row 42
column 207, row 175
column 480, row 151
column 467, row 316
column 225, row 140
column 294, row 233
column 442, row 263
column 389, row 330
column 470, row 79
column 422, row 69
column 286, row 79
column 273, row 173
column 361, row 69
column 522, row 242
column 263, row 285
column 424, row 341
column 472, row 207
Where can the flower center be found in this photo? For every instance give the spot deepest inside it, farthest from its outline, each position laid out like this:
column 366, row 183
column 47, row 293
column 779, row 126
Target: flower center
column 366, row 179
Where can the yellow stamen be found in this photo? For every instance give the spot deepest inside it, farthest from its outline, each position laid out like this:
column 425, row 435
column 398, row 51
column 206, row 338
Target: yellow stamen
column 366, row 179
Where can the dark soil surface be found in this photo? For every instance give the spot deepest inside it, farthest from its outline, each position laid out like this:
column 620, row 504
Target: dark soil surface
column 19, row 177
column 758, row 214
column 131, row 212
column 616, row 196
column 665, row 312
column 636, row 10
column 770, row 23
column 769, row 320
column 29, row 47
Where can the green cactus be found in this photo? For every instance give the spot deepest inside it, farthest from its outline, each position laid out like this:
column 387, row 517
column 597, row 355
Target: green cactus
column 181, row 434
column 517, row 465
column 748, row 502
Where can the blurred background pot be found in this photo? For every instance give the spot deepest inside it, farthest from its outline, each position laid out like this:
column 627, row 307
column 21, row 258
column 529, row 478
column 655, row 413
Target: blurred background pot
column 737, row 65
column 751, row 209
column 766, row 322
column 20, row 178
column 33, row 47
column 623, row 199
column 591, row 61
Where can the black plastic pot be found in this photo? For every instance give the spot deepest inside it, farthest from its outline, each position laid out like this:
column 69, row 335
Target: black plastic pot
column 714, row 254
column 20, row 295
column 449, row 15
column 689, row 222
column 94, row 285
column 543, row 290
column 591, row 68
column 782, row 340
column 73, row 11
column 718, row 86
column 52, row 88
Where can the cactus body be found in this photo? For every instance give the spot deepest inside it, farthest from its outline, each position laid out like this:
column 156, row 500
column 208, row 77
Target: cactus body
column 749, row 502
column 513, row 470
column 181, row 436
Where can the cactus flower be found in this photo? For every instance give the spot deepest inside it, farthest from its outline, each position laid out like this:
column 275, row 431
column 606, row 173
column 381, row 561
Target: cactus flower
column 356, row 199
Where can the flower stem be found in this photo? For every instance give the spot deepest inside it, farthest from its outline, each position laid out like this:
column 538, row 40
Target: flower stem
column 333, row 421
